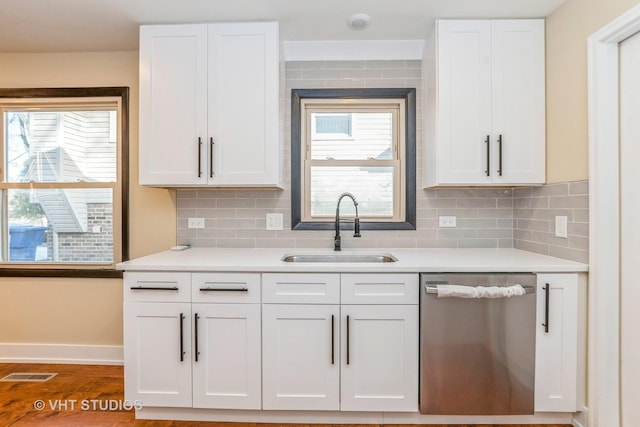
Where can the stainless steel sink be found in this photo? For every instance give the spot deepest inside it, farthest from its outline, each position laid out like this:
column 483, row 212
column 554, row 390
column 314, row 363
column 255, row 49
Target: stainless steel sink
column 339, row 258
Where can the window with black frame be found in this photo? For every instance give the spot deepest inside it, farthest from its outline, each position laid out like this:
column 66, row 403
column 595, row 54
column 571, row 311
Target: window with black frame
column 360, row 141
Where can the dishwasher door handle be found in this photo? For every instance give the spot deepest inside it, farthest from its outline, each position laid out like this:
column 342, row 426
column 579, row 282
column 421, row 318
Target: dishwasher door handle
column 485, row 291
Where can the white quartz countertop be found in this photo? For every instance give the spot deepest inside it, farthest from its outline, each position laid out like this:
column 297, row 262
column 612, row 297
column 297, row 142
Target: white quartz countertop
column 409, row 260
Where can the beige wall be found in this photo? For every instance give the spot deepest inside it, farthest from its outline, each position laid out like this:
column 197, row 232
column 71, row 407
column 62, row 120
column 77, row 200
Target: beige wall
column 82, row 311
column 567, row 128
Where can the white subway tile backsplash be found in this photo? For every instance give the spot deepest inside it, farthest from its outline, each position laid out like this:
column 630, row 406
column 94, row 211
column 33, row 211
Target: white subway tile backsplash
column 535, row 222
column 478, row 243
column 345, row 65
column 579, row 187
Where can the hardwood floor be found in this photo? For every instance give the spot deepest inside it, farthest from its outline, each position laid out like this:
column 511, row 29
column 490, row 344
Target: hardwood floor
column 77, row 383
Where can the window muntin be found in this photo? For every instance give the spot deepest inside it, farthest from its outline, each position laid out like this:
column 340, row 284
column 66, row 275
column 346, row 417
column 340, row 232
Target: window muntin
column 62, row 183
column 379, row 166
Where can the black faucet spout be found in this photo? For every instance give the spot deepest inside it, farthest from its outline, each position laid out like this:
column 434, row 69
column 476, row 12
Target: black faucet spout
column 337, row 241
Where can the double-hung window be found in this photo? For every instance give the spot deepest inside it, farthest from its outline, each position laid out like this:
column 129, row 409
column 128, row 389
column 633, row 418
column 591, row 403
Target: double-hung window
column 356, row 141
column 61, row 186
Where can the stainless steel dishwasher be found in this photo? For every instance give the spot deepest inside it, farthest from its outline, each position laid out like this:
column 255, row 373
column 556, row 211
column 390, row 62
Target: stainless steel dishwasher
column 477, row 347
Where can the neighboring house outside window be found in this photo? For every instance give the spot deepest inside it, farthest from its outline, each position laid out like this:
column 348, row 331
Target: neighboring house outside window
column 62, row 181
column 356, row 141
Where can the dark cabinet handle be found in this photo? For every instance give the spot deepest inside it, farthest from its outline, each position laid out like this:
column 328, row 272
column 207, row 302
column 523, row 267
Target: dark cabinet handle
column 546, row 307
column 211, row 157
column 181, row 337
column 500, row 155
column 195, row 330
column 347, row 340
column 224, row 290
column 154, row 288
column 199, row 157
column 486, row 141
column 333, row 342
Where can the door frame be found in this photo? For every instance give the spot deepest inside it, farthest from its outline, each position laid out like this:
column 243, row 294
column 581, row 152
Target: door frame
column 604, row 222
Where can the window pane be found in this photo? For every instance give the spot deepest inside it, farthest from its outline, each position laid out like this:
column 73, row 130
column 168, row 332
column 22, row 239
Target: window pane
column 60, row 225
column 329, row 123
column 369, row 137
column 60, row 146
column 372, row 187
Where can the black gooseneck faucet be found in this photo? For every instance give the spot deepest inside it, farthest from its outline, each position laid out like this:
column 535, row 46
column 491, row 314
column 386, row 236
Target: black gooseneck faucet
column 356, row 232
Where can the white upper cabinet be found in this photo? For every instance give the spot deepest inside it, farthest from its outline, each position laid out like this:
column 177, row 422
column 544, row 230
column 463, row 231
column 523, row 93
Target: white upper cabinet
column 209, row 98
column 484, row 103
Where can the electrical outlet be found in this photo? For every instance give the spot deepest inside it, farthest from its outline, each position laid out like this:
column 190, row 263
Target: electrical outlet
column 447, row 221
column 561, row 226
column 275, row 221
column 196, row 223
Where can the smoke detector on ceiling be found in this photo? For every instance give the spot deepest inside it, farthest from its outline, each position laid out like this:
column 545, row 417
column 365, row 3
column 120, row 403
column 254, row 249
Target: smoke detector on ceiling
column 358, row 21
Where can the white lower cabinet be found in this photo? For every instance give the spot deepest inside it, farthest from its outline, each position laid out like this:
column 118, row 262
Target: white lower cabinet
column 300, row 357
column 205, row 354
column 379, row 358
column 226, row 359
column 157, row 353
column 356, row 357
column 560, row 343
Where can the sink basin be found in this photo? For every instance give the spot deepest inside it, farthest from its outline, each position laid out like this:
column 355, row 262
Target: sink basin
column 339, row 258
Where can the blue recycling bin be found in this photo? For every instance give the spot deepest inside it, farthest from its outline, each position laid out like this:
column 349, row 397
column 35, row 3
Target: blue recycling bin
column 23, row 241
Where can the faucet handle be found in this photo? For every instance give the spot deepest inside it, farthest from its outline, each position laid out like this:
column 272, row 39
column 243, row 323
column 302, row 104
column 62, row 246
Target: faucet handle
column 356, row 227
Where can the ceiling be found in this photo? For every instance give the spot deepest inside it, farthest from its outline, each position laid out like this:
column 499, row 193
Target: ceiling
column 112, row 25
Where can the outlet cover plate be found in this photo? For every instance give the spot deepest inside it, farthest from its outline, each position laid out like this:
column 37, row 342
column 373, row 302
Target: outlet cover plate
column 447, row 221
column 195, row 223
column 561, row 226
column 275, row 221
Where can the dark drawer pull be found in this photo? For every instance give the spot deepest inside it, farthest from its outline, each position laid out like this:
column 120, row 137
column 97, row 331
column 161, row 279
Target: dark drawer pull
column 224, row 290
column 154, row 288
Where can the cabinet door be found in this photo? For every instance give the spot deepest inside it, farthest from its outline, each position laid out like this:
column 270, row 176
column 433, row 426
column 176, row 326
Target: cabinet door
column 243, row 104
column 226, row 356
column 557, row 344
column 173, row 104
column 518, row 101
column 464, row 97
column 300, row 357
column 157, row 353
column 379, row 358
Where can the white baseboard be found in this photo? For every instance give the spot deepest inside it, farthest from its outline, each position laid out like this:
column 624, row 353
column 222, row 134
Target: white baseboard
column 580, row 418
column 61, row 353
